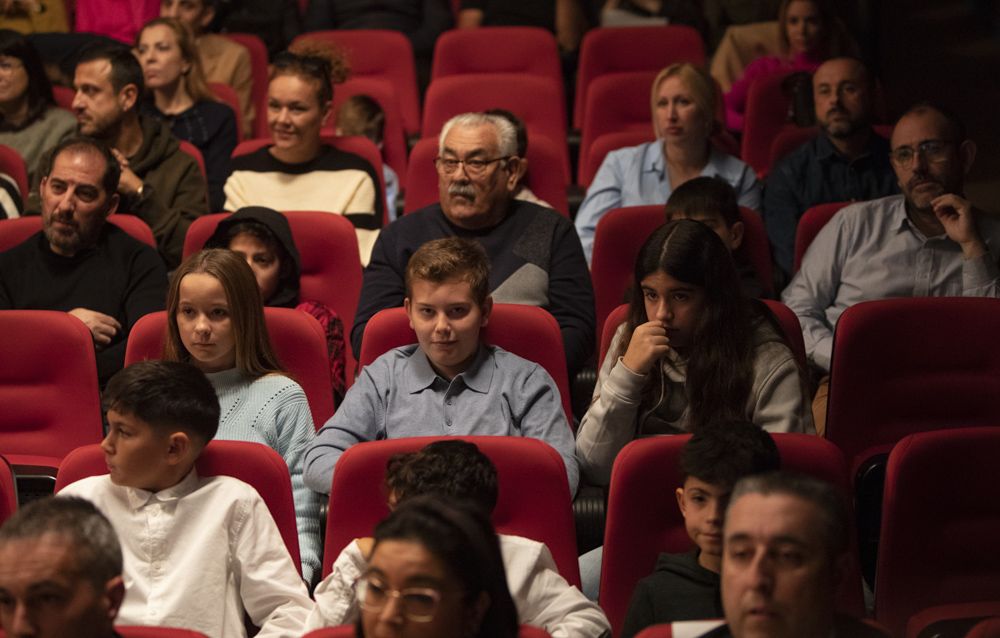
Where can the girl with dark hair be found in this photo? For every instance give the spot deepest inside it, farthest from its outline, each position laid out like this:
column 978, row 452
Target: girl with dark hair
column 30, row 122
column 435, row 571
column 215, row 321
column 693, row 350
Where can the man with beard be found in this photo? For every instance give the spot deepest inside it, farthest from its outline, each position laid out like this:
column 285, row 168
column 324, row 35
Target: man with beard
column 930, row 241
column 847, row 161
column 535, row 254
column 80, row 264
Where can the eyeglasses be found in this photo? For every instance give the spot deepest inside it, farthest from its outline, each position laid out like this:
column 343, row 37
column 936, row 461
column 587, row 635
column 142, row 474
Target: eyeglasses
column 474, row 167
column 935, row 151
column 419, row 604
column 9, row 65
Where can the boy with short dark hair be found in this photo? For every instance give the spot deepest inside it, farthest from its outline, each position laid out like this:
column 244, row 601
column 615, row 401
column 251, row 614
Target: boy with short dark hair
column 449, row 382
column 686, row 586
column 199, row 551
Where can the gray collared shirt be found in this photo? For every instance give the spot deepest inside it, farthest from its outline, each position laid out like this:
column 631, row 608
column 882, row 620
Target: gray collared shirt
column 871, row 250
column 400, row 395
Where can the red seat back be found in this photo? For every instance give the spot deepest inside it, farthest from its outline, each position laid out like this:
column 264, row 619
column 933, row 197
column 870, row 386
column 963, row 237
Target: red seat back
column 13, row 165
column 8, row 491
column 227, row 95
column 811, row 222
column 941, row 619
column 523, row 50
column 64, row 96
column 593, row 155
column 989, row 628
column 16, row 231
column 789, row 138
column 756, row 249
column 766, row 115
column 393, row 135
column 534, row 499
column 258, row 78
column 297, row 338
column 252, row 463
column 616, row 103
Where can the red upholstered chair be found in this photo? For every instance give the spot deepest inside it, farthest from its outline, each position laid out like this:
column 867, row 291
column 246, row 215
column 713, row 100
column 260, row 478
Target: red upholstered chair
column 959, row 619
column 298, row 340
column 756, row 249
column 8, row 491
column 643, row 518
column 537, row 101
column 527, row 331
column 534, row 499
column 766, row 115
column 252, row 463
column 192, row 150
column 381, row 54
column 811, row 222
column 13, row 165
column 522, row 50
column 227, row 95
column 328, row 249
column 989, row 628
column 616, row 103
column 383, row 92
column 347, row 631
column 940, row 522
column 593, row 155
column 621, row 49
column 902, row 366
column 420, row 184
column 15, row 231
column 156, row 632
column 258, row 78
column 64, row 96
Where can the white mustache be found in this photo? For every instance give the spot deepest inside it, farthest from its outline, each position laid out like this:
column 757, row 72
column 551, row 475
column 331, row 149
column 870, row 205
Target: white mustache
column 464, row 190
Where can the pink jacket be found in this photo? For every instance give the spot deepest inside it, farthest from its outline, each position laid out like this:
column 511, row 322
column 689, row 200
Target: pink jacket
column 118, row 19
column 736, row 98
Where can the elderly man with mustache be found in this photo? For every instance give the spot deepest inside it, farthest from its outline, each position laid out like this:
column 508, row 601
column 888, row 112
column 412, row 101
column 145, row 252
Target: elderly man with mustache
column 535, row 254
column 930, row 241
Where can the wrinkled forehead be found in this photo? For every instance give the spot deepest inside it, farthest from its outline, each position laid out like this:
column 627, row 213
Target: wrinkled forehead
column 833, row 72
column 921, row 126
column 772, row 518
column 50, row 557
column 79, row 164
column 467, row 141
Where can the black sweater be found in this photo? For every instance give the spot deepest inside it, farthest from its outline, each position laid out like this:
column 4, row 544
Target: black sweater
column 679, row 589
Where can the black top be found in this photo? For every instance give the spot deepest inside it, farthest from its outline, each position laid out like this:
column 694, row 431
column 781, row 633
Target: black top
column 422, row 21
column 679, row 589
column 524, row 13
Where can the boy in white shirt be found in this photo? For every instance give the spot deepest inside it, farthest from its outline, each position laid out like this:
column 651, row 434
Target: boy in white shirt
column 199, row 551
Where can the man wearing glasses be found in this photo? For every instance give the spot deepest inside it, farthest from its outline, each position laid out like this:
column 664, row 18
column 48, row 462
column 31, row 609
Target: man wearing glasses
column 928, row 242
column 534, row 252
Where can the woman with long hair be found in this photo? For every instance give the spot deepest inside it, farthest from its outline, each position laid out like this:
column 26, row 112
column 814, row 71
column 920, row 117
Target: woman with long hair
column 215, row 321
column 693, row 350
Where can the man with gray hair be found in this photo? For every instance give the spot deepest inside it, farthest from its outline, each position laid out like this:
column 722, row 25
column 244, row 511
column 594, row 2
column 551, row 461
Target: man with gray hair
column 60, row 571
column 535, row 255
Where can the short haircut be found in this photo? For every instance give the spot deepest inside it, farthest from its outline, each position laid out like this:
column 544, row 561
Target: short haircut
column 506, row 133
column 112, row 170
column 96, row 549
column 721, row 453
column 125, row 68
column 168, row 395
column 827, row 499
column 705, row 196
column 450, row 469
column 362, row 115
column 954, row 122
column 441, row 260
column 522, row 130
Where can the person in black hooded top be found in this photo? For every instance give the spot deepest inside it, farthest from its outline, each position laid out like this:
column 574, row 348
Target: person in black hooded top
column 264, row 237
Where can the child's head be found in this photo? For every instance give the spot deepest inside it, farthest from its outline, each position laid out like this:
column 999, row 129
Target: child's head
column 716, row 456
column 448, row 302
column 160, row 415
column 361, row 115
column 451, row 469
column 711, row 201
column 215, row 316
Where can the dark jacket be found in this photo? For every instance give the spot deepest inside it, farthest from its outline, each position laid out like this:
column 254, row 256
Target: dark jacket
column 679, row 589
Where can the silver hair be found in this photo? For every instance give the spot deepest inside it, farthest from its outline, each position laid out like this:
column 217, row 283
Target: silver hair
column 506, row 133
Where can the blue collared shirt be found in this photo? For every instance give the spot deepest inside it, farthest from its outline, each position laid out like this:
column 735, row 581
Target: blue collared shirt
column 637, row 176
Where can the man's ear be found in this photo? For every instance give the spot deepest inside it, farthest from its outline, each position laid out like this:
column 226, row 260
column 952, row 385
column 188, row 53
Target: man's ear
column 113, row 202
column 487, row 309
column 128, row 97
column 114, row 594
column 736, row 236
column 967, row 151
column 179, row 446
column 513, row 172
column 679, row 493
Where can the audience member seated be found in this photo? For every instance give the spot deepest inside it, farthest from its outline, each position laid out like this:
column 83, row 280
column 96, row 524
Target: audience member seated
column 265, row 240
column 60, row 571
column 930, row 241
column 521, row 191
column 180, row 97
column 712, row 201
column 535, row 257
column 11, row 205
column 442, row 564
column 79, row 263
column 686, row 586
column 215, row 321
column 810, row 33
column 683, row 103
column 298, row 171
column 449, row 382
column 456, row 471
column 118, row 19
column 362, row 115
column 785, row 551
column 159, row 182
column 199, row 552
column 693, row 350
column 846, row 161
column 30, row 122
column 222, row 60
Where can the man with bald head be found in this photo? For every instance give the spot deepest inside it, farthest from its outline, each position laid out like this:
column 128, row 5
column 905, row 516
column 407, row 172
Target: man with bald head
column 847, row 161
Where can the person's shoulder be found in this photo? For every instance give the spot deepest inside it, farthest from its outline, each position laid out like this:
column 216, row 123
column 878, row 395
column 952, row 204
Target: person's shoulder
column 870, row 212
column 335, row 159
column 631, row 154
column 215, row 111
column 278, row 384
column 92, row 488
column 19, row 255
column 511, row 363
column 798, row 158
column 418, row 227
column 730, row 167
column 58, row 117
column 227, row 491
column 259, row 160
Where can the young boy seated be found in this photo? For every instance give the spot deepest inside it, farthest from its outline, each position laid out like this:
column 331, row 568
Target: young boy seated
column 363, row 115
column 198, row 551
column 712, row 201
column 457, row 470
column 448, row 382
column 686, row 586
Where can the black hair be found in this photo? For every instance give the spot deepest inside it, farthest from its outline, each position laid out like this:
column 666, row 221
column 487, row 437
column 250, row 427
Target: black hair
column 522, row 131
column 954, row 122
column 125, row 68
column 112, row 170
column 15, row 45
column 288, row 272
column 707, row 196
column 450, row 469
column 314, row 67
column 721, row 453
column 168, row 395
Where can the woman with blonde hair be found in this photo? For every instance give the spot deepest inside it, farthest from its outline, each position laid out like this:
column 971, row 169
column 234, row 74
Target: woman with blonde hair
column 684, row 104
column 179, row 95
